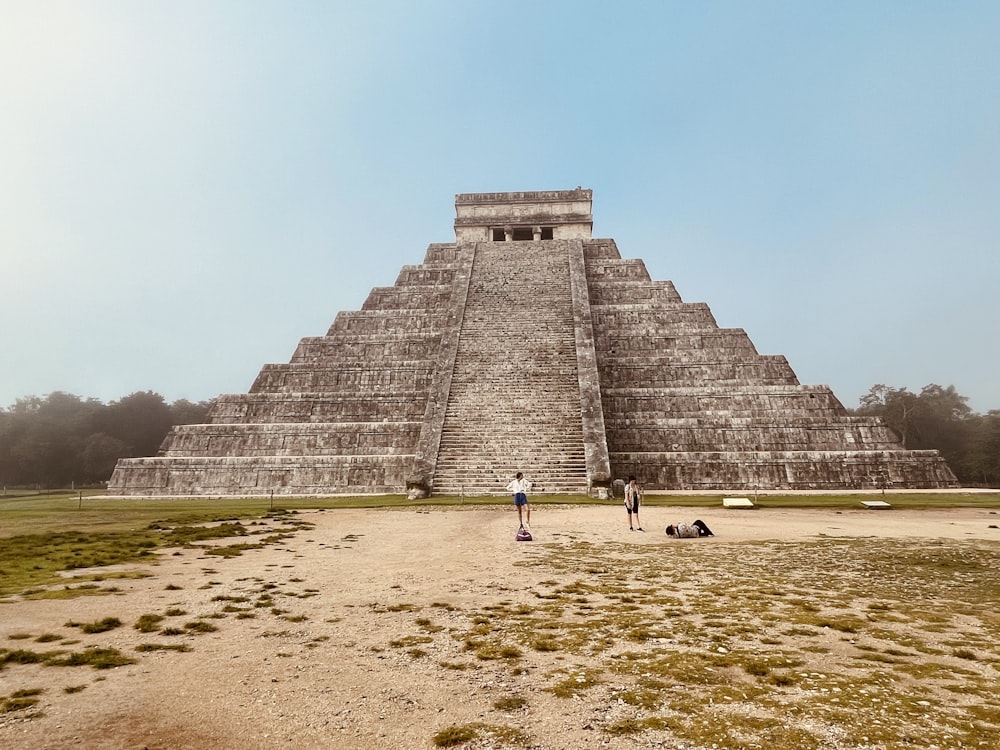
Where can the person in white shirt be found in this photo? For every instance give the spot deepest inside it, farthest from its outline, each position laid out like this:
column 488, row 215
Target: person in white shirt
column 632, row 497
column 520, row 487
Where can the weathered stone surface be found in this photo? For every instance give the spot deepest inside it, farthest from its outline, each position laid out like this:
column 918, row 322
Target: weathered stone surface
column 566, row 213
column 689, row 405
column 515, row 397
column 526, row 345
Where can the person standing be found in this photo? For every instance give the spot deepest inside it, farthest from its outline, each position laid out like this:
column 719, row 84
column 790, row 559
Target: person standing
column 633, row 497
column 520, row 487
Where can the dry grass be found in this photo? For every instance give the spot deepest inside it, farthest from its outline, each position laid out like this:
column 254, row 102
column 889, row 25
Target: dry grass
column 829, row 644
column 834, row 643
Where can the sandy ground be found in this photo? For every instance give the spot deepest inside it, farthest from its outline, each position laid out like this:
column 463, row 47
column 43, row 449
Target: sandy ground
column 356, row 646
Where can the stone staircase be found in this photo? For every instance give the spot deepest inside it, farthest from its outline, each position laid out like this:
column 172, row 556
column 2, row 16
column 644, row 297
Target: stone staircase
column 514, row 403
column 555, row 357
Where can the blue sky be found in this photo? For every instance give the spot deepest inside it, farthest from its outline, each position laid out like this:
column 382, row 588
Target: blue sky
column 187, row 188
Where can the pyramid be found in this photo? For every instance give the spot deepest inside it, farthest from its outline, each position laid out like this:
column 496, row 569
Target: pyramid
column 526, row 345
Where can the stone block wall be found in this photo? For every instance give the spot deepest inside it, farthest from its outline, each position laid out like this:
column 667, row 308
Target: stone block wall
column 689, row 405
column 567, row 212
column 285, row 439
column 408, row 377
column 344, row 415
column 244, row 476
column 556, row 357
column 802, row 470
column 290, row 408
column 428, row 297
column 359, row 322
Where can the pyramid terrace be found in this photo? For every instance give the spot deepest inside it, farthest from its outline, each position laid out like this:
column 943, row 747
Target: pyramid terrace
column 526, row 345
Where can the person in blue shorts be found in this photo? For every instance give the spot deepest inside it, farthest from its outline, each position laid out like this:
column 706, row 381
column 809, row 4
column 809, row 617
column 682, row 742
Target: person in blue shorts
column 520, row 487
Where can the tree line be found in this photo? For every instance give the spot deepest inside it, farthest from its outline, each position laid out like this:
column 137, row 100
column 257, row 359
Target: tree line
column 939, row 418
column 62, row 440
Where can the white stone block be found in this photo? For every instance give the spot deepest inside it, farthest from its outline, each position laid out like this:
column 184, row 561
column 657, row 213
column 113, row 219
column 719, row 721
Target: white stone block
column 876, row 504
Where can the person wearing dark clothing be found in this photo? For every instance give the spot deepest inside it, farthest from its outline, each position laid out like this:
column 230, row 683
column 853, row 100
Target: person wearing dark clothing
column 689, row 530
column 633, row 497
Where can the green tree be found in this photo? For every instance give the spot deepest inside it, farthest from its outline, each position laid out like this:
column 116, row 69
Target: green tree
column 183, row 411
column 940, row 422
column 139, row 420
column 99, row 455
column 62, row 439
column 939, row 418
column 44, row 437
column 981, row 461
column 896, row 407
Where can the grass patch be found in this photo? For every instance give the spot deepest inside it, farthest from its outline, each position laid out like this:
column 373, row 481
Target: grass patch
column 410, row 640
column 20, row 700
column 488, row 651
column 100, row 626
column 428, row 626
column 635, row 726
column 576, row 683
column 98, row 658
column 510, row 703
column 200, row 626
column 544, row 643
column 231, row 550
column 148, row 647
column 148, row 623
column 44, row 535
column 69, row 592
column 461, row 734
column 21, row 656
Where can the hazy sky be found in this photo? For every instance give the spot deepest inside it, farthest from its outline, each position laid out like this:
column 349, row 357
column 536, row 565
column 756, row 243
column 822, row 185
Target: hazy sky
column 189, row 188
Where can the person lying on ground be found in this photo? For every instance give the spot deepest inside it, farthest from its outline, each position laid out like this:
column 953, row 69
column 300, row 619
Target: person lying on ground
column 689, row 530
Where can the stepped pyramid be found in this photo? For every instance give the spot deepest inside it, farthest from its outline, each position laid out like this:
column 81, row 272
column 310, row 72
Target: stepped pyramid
column 526, row 345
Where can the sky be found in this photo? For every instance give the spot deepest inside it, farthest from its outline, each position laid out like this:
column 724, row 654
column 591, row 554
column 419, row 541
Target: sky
column 189, row 187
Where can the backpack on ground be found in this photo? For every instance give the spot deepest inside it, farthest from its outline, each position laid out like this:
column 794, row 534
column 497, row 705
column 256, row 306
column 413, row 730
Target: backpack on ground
column 523, row 535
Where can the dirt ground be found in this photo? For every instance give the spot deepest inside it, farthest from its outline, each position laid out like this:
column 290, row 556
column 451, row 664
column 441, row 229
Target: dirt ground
column 388, row 628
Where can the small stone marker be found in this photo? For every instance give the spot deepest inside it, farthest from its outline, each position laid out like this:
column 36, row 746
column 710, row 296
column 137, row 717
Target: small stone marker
column 876, row 504
column 737, row 502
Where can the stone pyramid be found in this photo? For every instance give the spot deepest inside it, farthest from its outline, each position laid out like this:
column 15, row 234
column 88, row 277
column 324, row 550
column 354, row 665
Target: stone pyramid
column 526, row 345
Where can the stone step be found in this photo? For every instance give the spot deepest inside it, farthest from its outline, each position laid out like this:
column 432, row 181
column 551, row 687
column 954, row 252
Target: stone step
column 515, row 295
column 675, row 399
column 477, row 488
column 569, row 463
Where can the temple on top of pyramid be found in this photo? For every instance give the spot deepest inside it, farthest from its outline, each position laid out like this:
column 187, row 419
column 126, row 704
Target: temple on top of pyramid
column 526, row 345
